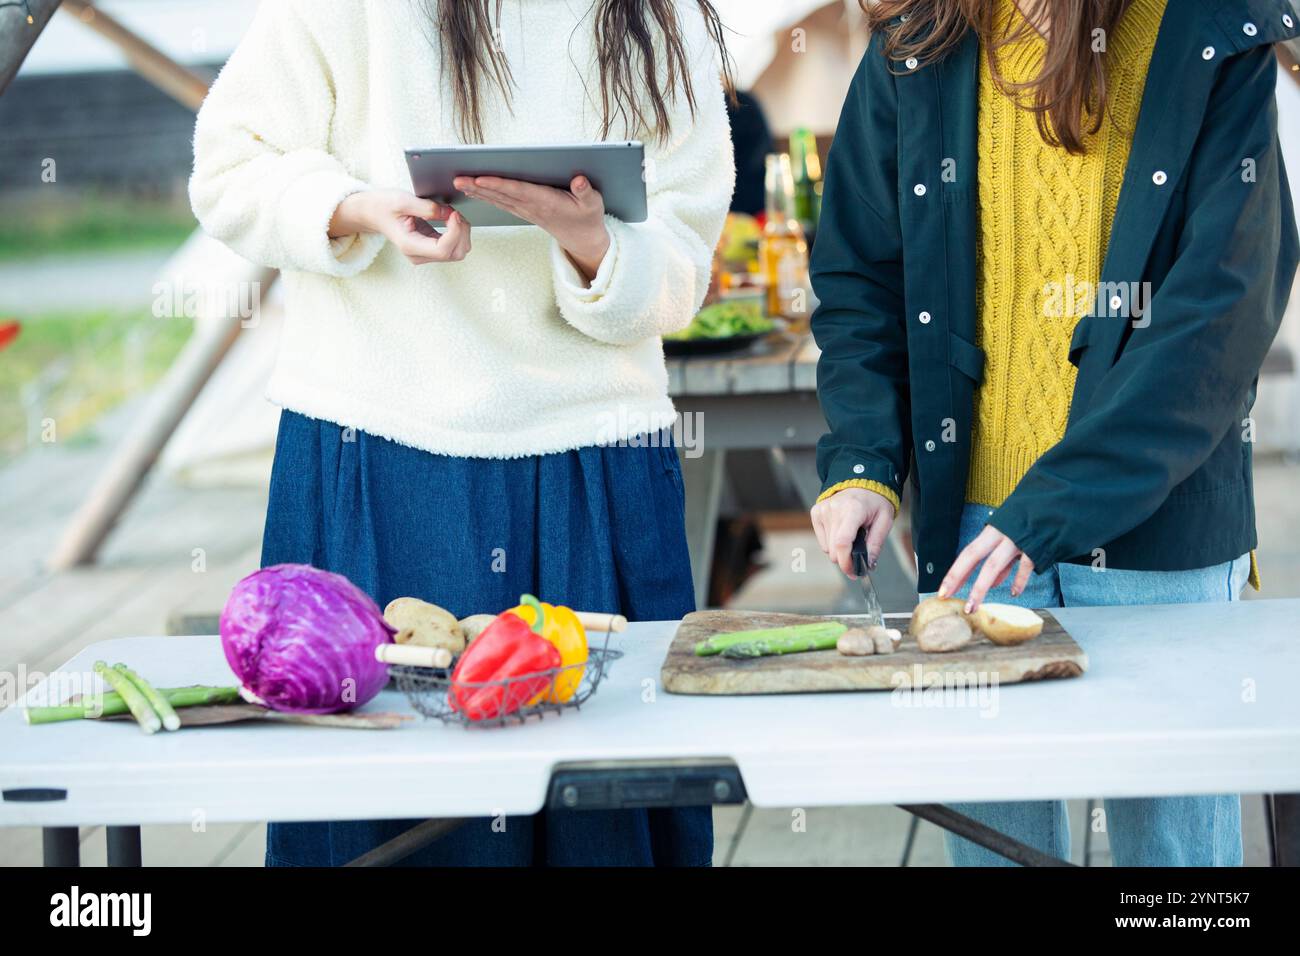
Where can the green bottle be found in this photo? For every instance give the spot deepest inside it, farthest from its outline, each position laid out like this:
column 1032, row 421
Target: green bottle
column 807, row 168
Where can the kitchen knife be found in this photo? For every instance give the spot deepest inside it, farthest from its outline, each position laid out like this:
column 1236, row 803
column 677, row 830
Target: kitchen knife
column 862, row 568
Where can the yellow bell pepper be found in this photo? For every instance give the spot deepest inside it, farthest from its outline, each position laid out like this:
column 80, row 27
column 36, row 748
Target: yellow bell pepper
column 562, row 628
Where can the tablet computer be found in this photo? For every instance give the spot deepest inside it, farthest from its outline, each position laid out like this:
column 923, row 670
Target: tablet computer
column 615, row 169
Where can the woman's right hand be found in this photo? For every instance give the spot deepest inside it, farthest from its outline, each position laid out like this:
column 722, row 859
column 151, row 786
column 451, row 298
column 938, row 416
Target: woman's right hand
column 400, row 217
column 836, row 521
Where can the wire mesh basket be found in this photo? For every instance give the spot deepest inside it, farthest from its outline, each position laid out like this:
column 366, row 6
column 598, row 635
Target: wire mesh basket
column 512, row 700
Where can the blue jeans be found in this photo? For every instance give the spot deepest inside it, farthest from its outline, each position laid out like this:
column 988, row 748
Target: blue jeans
column 1143, row 831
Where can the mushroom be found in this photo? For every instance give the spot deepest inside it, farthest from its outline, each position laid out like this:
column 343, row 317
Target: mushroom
column 886, row 639
column 872, row 639
column 856, row 642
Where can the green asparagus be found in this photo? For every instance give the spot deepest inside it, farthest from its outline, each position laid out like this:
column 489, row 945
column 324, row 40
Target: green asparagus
column 144, row 715
column 823, row 633
column 156, row 700
column 111, row 704
column 787, row 645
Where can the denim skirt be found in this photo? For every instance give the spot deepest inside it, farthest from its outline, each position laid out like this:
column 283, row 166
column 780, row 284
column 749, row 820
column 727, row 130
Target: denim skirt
column 600, row 529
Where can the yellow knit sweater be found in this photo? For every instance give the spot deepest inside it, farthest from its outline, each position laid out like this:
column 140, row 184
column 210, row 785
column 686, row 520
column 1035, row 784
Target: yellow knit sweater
column 1044, row 220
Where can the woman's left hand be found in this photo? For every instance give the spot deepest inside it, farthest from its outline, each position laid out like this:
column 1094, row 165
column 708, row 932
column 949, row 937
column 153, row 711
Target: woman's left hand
column 574, row 216
column 998, row 552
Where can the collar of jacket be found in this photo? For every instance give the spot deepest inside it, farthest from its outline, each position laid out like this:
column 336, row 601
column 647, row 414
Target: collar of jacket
column 938, row 113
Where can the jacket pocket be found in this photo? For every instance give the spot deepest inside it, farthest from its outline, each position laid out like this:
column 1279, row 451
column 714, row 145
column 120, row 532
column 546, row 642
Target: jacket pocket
column 966, row 357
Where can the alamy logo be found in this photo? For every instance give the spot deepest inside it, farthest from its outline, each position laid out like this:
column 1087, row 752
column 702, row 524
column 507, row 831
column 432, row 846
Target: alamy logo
column 1075, row 298
column 75, row 908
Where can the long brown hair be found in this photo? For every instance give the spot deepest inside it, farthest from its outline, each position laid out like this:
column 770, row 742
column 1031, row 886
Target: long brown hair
column 631, row 83
column 1069, row 92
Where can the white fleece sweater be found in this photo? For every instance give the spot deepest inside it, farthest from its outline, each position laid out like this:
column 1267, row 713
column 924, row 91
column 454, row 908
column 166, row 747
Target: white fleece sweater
column 509, row 352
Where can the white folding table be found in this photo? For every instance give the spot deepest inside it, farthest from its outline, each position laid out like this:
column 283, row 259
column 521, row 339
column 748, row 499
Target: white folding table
column 1177, row 699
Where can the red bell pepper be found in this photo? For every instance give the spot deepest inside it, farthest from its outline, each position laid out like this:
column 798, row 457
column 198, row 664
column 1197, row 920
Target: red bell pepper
column 483, row 684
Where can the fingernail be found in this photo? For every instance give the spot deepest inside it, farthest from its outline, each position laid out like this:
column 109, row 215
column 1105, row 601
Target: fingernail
column 970, row 606
column 871, row 561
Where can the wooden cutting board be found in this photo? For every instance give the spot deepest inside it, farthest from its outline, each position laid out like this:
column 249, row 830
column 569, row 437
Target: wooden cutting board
column 1052, row 654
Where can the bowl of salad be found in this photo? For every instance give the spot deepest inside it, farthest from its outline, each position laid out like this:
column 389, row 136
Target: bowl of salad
column 720, row 327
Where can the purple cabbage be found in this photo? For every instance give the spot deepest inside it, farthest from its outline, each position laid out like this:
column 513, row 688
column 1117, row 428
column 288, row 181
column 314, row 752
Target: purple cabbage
column 302, row 640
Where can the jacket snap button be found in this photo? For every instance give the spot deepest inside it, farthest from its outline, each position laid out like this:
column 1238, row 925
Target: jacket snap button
column 1116, row 302
column 929, row 567
column 1249, row 29
column 1159, row 177
column 1287, row 21
column 1207, row 53
column 929, row 445
column 910, row 62
column 919, row 189
column 925, row 318
column 859, row 469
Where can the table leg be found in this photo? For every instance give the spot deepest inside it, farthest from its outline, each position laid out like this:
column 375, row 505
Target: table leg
column 123, row 846
column 987, row 837
column 61, row 846
column 703, row 476
column 406, row 843
column 1286, row 829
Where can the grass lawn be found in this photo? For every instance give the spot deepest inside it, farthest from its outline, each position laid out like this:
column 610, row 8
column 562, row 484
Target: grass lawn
column 71, row 367
column 42, row 223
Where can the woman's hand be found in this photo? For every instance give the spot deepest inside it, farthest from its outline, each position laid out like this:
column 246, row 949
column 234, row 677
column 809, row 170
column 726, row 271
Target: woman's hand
column 836, row 521
column 998, row 552
column 400, row 216
column 574, row 216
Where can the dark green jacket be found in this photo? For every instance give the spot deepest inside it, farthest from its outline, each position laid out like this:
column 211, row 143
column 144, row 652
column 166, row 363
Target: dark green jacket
column 1155, row 465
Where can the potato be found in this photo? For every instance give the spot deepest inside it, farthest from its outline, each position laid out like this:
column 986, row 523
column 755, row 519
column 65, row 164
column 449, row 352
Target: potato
column 1007, row 624
column 948, row 632
column 473, row 625
column 856, row 642
column 932, row 608
column 424, row 624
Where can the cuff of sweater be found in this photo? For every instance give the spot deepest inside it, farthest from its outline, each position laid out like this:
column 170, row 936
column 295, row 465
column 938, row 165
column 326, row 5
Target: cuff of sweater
column 571, row 283
column 866, row 484
column 304, row 215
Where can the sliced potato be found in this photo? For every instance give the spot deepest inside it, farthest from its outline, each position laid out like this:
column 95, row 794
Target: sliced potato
column 932, row 608
column 1007, row 624
column 424, row 624
column 948, row 632
column 473, row 625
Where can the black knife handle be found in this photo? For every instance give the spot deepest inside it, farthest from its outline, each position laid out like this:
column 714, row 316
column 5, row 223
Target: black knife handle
column 860, row 546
